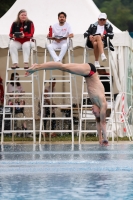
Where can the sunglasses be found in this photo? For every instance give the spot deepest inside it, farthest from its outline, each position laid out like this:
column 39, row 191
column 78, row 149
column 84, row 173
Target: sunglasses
column 102, row 19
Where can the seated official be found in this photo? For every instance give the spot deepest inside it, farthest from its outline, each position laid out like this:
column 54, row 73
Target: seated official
column 97, row 37
column 61, row 31
column 21, row 32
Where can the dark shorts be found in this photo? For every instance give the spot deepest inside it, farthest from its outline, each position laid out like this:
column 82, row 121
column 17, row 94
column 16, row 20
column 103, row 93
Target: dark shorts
column 92, row 71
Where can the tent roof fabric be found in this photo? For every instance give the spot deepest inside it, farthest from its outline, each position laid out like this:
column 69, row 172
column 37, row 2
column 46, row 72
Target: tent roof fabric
column 80, row 14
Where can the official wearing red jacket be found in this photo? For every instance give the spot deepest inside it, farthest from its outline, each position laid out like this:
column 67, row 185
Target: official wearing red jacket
column 21, row 32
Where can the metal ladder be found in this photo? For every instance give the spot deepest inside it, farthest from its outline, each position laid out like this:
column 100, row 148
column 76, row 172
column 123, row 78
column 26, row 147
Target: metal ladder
column 86, row 113
column 25, row 95
column 64, row 79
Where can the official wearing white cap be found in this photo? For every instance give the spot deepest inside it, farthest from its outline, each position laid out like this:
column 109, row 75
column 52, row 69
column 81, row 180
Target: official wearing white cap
column 97, row 37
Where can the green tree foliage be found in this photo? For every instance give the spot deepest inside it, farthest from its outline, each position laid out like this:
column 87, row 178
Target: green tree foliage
column 119, row 12
column 5, row 6
column 99, row 2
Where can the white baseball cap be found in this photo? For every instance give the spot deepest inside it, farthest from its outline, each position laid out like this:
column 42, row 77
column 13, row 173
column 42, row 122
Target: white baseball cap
column 102, row 16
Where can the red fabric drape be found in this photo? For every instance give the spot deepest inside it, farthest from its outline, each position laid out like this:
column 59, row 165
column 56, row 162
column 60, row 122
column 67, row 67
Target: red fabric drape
column 1, row 91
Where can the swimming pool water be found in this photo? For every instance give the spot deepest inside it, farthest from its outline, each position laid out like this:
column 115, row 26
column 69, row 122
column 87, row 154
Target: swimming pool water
column 66, row 172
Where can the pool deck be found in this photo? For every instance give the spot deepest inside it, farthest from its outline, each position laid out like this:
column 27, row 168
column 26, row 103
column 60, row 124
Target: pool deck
column 67, row 142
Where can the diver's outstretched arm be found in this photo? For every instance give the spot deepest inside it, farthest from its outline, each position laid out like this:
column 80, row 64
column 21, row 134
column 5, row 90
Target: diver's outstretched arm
column 73, row 68
column 44, row 66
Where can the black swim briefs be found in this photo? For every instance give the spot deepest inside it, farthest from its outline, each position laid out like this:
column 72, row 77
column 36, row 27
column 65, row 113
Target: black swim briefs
column 93, row 70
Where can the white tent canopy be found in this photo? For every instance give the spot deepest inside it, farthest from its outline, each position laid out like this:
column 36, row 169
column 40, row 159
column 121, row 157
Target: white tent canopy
column 80, row 14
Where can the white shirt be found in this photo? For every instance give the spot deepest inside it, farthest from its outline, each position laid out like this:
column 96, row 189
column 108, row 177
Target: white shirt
column 11, row 88
column 100, row 29
column 63, row 31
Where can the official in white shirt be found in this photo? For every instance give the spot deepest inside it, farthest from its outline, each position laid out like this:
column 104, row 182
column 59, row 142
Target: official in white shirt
column 61, row 31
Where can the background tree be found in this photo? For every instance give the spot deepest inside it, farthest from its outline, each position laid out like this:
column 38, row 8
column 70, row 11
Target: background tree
column 5, row 5
column 119, row 12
